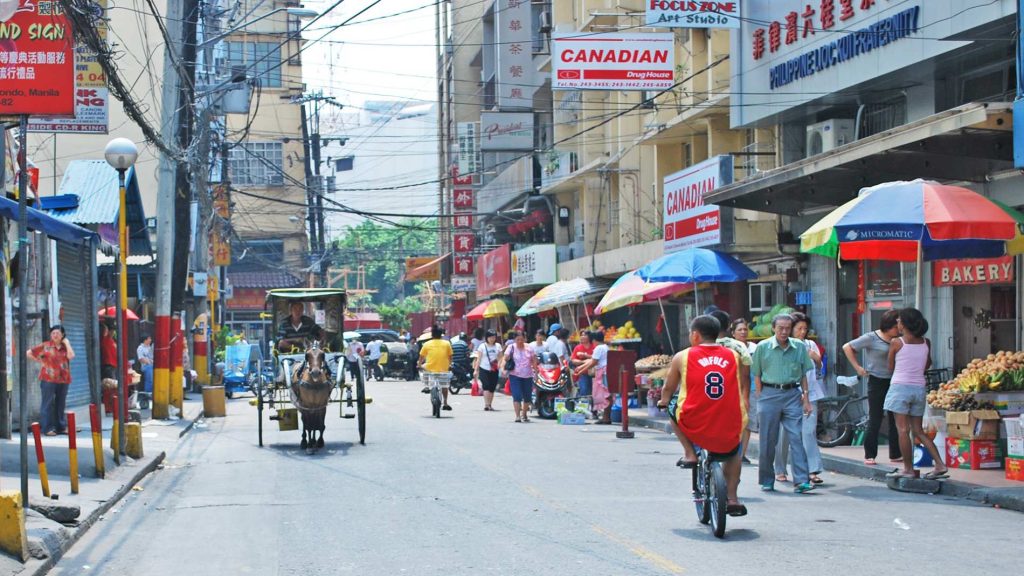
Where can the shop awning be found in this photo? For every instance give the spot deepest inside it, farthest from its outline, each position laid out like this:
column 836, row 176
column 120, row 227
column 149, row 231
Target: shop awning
column 41, row 222
column 424, row 268
column 964, row 144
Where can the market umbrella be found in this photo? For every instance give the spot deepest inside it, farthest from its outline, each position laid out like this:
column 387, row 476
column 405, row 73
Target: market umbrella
column 1015, row 246
column 630, row 290
column 696, row 265
column 111, row 312
column 561, row 293
column 346, row 336
column 913, row 222
column 488, row 309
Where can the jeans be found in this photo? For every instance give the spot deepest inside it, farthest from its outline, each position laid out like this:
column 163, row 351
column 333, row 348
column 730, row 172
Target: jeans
column 51, row 409
column 877, row 389
column 774, row 407
column 584, row 381
column 522, row 389
column 147, row 378
column 809, row 437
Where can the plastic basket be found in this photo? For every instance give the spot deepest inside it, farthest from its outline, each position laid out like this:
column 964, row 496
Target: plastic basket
column 1014, row 427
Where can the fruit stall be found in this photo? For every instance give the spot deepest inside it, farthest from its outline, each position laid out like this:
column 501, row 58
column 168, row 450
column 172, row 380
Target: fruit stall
column 976, row 416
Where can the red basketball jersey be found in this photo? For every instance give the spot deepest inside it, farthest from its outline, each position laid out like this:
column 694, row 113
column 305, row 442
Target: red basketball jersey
column 710, row 407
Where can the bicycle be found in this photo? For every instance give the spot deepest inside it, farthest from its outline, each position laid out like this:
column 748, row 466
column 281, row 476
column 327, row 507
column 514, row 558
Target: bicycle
column 836, row 426
column 435, row 381
column 710, row 492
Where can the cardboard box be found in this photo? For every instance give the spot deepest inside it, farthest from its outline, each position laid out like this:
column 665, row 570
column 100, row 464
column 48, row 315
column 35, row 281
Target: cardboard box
column 973, row 454
column 974, row 425
column 1015, row 469
column 572, row 418
column 1015, row 447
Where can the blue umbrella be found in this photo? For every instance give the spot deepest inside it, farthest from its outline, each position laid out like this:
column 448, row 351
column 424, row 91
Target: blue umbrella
column 696, row 265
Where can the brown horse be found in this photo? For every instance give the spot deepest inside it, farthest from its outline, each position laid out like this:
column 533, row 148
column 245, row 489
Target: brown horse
column 311, row 391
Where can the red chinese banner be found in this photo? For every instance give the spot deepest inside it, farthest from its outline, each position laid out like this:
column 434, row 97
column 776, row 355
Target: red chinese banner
column 463, row 266
column 463, row 221
column 494, row 271
column 464, row 243
column 37, row 59
column 463, row 198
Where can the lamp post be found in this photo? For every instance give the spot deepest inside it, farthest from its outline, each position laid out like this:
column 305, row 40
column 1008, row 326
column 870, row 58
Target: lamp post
column 121, row 154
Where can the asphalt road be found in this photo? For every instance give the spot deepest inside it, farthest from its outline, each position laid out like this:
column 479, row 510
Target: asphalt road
column 475, row 493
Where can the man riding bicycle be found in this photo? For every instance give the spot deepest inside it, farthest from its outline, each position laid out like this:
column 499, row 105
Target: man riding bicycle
column 436, row 356
column 709, row 409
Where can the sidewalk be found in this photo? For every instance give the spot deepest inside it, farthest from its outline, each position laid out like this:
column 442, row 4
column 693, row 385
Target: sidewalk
column 48, row 540
column 985, row 486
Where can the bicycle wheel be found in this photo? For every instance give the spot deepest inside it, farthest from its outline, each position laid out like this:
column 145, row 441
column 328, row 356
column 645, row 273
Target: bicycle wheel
column 700, row 492
column 361, row 410
column 435, row 400
column 833, row 428
column 718, row 498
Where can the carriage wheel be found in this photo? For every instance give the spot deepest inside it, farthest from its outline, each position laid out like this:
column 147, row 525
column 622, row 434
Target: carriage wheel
column 361, row 409
column 259, row 408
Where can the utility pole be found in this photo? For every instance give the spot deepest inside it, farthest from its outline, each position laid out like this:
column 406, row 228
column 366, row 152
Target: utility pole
column 310, row 189
column 314, row 188
column 172, row 197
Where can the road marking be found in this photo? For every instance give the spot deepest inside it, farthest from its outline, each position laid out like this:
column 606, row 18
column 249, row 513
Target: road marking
column 648, row 555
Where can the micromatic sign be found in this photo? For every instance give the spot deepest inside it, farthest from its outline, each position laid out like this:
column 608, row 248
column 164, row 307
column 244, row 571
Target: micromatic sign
column 877, row 35
column 853, row 235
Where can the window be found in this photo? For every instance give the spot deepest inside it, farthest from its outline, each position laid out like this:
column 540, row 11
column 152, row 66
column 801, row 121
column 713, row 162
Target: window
column 257, row 164
column 761, row 297
column 261, row 60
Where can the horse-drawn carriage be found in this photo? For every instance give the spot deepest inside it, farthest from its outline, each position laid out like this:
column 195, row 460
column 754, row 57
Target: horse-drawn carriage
column 310, row 366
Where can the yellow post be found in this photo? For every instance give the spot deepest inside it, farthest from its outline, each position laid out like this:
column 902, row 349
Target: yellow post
column 133, row 439
column 177, row 395
column 73, row 451
column 115, row 434
column 97, row 440
column 13, row 538
column 200, row 349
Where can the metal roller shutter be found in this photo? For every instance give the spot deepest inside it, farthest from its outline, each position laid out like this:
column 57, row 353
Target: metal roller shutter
column 72, row 291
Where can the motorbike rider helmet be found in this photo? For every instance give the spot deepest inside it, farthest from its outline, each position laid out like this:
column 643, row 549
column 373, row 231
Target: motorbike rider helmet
column 554, row 328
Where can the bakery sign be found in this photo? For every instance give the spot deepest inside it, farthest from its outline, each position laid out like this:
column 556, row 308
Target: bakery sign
column 972, row 272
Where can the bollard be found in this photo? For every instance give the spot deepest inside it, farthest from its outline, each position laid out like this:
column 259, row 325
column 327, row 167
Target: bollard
column 115, row 433
column 97, row 439
column 177, row 395
column 624, row 399
column 133, row 439
column 41, row 458
column 73, row 451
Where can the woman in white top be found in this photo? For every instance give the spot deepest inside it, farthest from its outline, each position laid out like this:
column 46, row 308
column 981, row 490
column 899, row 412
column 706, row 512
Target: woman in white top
column 485, row 367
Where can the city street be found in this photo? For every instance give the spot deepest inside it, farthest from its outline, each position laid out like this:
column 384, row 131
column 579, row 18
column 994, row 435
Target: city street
column 475, row 493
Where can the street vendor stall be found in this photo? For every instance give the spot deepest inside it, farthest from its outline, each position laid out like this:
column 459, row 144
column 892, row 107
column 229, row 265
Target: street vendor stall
column 566, row 297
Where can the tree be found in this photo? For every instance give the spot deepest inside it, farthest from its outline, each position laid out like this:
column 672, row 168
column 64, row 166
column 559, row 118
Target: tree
column 382, row 251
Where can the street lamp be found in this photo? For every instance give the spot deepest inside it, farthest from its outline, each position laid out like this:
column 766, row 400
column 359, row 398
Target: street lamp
column 292, row 11
column 121, row 154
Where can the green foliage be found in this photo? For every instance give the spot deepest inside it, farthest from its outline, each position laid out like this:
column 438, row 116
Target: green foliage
column 396, row 315
column 382, row 251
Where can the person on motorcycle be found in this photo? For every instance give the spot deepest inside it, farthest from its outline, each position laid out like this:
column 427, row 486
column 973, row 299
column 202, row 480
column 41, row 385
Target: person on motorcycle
column 555, row 342
column 436, row 356
column 461, row 364
column 709, row 410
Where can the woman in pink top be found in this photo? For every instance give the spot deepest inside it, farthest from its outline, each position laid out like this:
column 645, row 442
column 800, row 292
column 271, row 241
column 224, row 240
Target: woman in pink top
column 520, row 376
column 909, row 357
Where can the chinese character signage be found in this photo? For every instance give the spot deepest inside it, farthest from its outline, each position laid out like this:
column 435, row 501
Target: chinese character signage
column 686, row 14
column 92, row 97
column 37, row 59
column 462, row 266
column 220, row 250
column 534, row 265
column 463, row 220
column 493, row 271
column 463, row 198
column 469, row 148
column 688, row 222
column 513, row 21
column 464, row 242
column 506, row 131
column 613, row 61
column 463, row 283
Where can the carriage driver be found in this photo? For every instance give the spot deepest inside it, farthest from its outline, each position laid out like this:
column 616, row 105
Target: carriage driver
column 296, row 329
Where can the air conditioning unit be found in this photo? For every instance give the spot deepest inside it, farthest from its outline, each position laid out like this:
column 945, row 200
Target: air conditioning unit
column 545, row 22
column 824, row 136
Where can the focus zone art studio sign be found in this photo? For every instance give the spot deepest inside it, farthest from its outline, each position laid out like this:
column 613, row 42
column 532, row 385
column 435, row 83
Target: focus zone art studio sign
column 37, row 59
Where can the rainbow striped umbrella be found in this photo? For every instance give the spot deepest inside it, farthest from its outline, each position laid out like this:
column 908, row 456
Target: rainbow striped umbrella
column 630, row 290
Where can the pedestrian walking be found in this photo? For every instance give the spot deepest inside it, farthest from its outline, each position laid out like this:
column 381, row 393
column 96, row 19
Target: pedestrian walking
column 875, row 346
column 809, row 426
column 740, row 332
column 518, row 362
column 580, row 354
column 598, row 362
column 485, row 367
column 108, row 353
column 780, row 371
column 54, row 356
column 909, row 357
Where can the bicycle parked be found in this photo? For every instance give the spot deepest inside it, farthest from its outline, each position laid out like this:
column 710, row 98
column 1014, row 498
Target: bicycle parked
column 837, row 425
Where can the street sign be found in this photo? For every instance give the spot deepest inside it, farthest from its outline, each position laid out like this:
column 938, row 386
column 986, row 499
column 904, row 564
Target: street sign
column 37, row 60
column 199, row 287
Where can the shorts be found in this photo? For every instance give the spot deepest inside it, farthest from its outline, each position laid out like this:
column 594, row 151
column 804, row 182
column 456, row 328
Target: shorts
column 726, row 455
column 673, row 404
column 522, row 388
column 906, row 399
column 488, row 380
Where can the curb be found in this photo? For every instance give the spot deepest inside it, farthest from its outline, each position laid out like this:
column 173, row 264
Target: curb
column 93, row 517
column 191, row 424
column 1008, row 498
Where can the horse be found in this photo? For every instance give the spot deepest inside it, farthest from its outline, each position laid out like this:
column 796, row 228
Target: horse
column 311, row 388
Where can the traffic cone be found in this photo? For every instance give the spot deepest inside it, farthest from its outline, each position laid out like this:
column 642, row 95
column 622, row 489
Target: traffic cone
column 508, row 387
column 475, row 389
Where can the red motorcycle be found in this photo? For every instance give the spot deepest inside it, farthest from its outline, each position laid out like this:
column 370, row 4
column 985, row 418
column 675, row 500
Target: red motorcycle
column 553, row 379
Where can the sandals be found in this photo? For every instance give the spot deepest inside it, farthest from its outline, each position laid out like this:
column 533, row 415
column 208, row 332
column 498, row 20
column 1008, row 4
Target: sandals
column 736, row 510
column 686, row 464
column 526, row 418
column 815, row 479
column 781, row 478
column 936, row 475
column 870, row 462
column 898, row 474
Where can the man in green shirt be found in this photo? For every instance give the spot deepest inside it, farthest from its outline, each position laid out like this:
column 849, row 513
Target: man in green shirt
column 779, row 367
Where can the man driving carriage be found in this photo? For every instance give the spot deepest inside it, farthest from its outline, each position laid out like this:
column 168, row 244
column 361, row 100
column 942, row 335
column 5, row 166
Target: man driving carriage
column 296, row 329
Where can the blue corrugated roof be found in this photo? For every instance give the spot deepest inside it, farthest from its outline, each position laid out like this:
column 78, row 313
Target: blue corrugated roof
column 94, row 182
